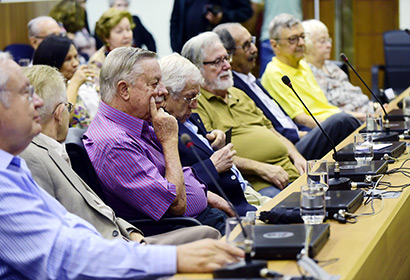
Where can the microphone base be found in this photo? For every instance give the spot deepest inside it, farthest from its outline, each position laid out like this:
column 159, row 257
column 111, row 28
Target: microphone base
column 341, row 183
column 241, row 270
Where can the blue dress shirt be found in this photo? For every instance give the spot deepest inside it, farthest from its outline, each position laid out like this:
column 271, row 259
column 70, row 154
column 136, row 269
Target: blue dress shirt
column 39, row 239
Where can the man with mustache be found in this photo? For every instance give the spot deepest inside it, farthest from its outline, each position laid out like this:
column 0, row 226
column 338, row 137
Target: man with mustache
column 287, row 38
column 310, row 142
column 267, row 155
column 133, row 145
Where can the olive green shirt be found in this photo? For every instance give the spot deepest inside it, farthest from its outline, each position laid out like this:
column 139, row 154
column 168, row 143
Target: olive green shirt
column 251, row 134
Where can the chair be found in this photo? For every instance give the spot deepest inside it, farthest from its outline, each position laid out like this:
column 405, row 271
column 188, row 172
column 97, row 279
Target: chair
column 82, row 165
column 397, row 62
column 20, row 51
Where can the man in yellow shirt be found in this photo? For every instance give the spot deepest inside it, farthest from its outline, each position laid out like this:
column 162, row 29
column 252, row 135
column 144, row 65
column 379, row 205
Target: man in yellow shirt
column 265, row 156
column 287, row 40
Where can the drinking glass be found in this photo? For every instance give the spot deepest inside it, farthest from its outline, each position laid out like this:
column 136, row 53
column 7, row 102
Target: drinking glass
column 406, row 110
column 312, row 203
column 318, row 172
column 236, row 237
column 363, row 148
column 374, row 122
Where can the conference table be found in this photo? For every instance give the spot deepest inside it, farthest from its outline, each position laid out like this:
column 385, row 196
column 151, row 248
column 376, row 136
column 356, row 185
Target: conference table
column 376, row 247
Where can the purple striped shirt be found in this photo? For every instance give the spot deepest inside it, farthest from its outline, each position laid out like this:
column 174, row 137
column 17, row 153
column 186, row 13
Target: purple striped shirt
column 129, row 162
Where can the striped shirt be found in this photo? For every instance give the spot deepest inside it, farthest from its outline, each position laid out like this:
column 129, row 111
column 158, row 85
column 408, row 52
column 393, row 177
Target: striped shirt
column 130, row 164
column 39, row 239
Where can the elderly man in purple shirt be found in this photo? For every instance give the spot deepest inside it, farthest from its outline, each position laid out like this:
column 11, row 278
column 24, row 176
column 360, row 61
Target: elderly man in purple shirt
column 133, row 145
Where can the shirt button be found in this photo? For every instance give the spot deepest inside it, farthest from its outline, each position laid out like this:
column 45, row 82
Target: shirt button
column 233, row 177
column 115, row 233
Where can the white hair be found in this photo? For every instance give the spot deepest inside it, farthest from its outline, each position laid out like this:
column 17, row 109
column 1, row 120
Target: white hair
column 4, row 78
column 32, row 25
column 177, row 71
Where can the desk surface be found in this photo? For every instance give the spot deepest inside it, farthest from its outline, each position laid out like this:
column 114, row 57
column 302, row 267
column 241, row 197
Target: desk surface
column 376, row 247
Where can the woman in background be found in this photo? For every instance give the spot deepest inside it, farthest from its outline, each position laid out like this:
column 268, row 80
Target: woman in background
column 114, row 28
column 60, row 52
column 331, row 79
column 141, row 35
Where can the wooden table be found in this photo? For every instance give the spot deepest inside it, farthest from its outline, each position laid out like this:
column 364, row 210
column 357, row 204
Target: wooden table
column 376, row 247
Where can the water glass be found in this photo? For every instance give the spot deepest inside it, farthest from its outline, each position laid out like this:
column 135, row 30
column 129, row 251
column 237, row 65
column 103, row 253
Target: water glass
column 318, row 172
column 374, row 122
column 236, row 237
column 406, row 108
column 312, row 203
column 363, row 148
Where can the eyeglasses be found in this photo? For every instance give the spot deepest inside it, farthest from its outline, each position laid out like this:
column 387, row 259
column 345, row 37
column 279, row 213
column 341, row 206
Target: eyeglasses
column 69, row 106
column 60, row 34
column 29, row 90
column 323, row 41
column 192, row 99
column 219, row 61
column 293, row 40
column 247, row 45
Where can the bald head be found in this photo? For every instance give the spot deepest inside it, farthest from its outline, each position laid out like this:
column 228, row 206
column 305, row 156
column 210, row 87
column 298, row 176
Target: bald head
column 41, row 27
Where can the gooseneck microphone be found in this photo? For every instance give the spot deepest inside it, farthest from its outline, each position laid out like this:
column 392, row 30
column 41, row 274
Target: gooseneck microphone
column 249, row 268
column 407, row 31
column 336, row 182
column 386, row 116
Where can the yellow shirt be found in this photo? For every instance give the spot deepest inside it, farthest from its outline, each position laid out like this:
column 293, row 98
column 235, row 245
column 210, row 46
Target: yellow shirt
column 251, row 134
column 304, row 84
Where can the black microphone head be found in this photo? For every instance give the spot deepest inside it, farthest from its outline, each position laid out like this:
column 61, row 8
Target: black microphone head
column 186, row 139
column 286, row 81
column 343, row 57
column 407, row 31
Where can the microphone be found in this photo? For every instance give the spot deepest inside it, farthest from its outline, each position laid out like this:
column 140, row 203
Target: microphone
column 386, row 116
column 407, row 31
column 336, row 182
column 249, row 268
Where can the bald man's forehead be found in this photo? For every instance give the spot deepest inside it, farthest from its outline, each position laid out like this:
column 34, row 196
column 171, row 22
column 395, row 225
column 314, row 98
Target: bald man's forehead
column 48, row 27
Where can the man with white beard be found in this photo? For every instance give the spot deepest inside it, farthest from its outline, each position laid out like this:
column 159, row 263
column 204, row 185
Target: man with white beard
column 266, row 156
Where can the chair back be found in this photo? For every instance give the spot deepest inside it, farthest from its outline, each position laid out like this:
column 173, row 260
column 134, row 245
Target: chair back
column 20, row 51
column 397, row 60
column 80, row 161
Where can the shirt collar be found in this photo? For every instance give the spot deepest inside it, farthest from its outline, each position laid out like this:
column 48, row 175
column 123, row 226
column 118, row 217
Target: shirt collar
column 289, row 69
column 5, row 159
column 132, row 125
column 247, row 78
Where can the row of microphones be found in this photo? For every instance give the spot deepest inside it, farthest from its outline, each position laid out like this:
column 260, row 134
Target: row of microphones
column 336, row 182
column 248, row 268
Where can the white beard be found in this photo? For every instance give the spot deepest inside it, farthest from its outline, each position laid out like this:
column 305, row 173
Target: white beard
column 219, row 84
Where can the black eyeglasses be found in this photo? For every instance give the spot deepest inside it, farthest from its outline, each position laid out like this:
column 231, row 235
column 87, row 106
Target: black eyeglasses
column 293, row 39
column 69, row 106
column 192, row 99
column 247, row 45
column 219, row 61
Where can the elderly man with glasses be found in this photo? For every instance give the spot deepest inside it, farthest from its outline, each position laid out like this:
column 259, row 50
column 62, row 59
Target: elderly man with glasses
column 309, row 142
column 40, row 28
column 287, row 39
column 265, row 156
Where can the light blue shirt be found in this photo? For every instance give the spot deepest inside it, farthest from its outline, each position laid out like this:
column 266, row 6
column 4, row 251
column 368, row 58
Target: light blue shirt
column 39, row 239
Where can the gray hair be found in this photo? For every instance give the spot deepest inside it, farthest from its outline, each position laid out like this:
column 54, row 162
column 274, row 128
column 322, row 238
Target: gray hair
column 32, row 25
column 112, row 2
column 177, row 71
column 224, row 32
column 281, row 21
column 4, row 78
column 194, row 48
column 312, row 26
column 121, row 64
column 49, row 84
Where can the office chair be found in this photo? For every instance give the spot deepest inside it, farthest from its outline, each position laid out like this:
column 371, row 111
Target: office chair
column 82, row 165
column 397, row 62
column 20, row 51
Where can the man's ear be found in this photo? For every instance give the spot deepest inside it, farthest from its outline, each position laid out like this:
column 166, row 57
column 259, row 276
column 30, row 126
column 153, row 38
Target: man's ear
column 33, row 42
column 58, row 113
column 123, row 90
column 274, row 44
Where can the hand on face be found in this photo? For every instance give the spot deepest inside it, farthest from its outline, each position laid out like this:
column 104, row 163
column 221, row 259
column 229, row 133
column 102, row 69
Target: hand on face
column 165, row 125
column 82, row 75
